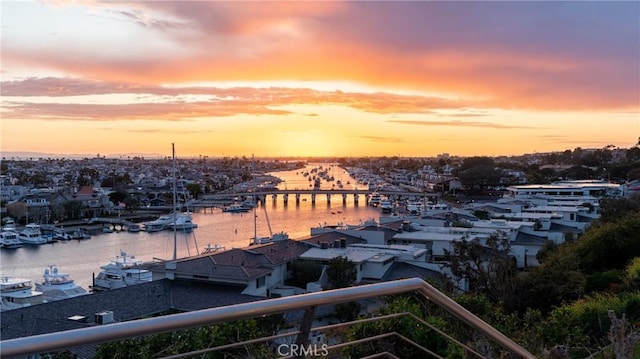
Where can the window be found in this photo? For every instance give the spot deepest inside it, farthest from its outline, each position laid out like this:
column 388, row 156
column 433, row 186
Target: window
column 260, row 282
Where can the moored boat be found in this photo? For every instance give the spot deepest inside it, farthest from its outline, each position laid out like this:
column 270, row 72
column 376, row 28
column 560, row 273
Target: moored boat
column 182, row 222
column 9, row 240
column 9, row 224
column 236, row 208
column 31, row 234
column 57, row 285
column 17, row 293
column 122, row 272
column 386, row 206
column 133, row 227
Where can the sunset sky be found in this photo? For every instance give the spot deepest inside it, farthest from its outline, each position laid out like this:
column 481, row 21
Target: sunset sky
column 328, row 78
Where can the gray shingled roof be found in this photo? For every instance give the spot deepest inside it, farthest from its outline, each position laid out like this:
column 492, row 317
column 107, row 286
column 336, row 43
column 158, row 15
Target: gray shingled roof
column 236, row 265
column 402, row 270
column 331, row 237
column 126, row 303
column 525, row 238
column 557, row 227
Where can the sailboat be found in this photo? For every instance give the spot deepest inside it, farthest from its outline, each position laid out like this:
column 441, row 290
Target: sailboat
column 181, row 221
column 272, row 237
column 177, row 220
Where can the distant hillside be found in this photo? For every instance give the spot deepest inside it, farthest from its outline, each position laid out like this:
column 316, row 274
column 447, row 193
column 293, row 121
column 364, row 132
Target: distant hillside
column 35, row 155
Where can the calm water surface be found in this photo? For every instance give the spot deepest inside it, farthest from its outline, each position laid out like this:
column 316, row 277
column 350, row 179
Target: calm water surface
column 82, row 258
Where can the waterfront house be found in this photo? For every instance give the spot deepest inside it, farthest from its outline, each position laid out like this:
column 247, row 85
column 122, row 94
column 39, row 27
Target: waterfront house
column 257, row 269
column 35, row 207
column 372, row 262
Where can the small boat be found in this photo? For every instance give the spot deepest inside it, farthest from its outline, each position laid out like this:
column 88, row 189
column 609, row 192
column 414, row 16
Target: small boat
column 236, row 208
column 133, row 227
column 60, row 235
column 212, row 248
column 80, row 233
column 9, row 240
column 18, row 293
column 57, row 285
column 122, row 272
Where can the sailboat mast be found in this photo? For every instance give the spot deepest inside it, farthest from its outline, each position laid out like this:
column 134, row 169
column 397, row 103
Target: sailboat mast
column 255, row 224
column 175, row 191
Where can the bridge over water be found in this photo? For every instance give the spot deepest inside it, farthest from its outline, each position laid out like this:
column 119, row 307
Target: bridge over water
column 221, row 199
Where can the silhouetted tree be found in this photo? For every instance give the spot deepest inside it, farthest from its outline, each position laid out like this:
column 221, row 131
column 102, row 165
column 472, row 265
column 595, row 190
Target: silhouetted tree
column 341, row 272
column 477, row 173
column 194, row 189
column 489, row 267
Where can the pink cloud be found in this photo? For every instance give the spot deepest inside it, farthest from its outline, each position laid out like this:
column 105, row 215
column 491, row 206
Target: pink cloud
column 546, row 56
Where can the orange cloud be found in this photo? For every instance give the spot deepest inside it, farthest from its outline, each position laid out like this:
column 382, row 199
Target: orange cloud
column 542, row 56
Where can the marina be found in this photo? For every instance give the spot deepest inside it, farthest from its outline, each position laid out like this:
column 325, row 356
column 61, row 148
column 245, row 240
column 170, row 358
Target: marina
column 82, row 258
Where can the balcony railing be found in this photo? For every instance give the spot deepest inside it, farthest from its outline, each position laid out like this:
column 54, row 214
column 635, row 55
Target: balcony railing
column 56, row 341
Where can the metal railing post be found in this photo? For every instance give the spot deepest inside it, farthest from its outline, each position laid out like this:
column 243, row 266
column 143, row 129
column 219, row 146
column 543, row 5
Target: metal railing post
column 305, row 328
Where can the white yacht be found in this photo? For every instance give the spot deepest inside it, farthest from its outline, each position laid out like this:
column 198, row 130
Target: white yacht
column 17, row 293
column 182, row 222
column 236, row 208
column 31, row 234
column 9, row 225
column 122, row 272
column 159, row 224
column 9, row 239
column 386, row 206
column 57, row 285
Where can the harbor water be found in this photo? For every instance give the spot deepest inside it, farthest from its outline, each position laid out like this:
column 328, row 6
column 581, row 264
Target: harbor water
column 83, row 258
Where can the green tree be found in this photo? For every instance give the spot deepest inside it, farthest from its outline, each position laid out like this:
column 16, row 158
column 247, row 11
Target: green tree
column 634, row 173
column 613, row 209
column 556, row 280
column 87, row 176
column 131, row 204
column 116, row 181
column 489, row 267
column 73, row 209
column 406, row 326
column 585, row 323
column 184, row 341
column 117, row 197
column 303, row 272
column 609, row 245
column 633, row 154
column 341, row 272
column 632, row 275
column 478, row 173
column 194, row 189
column 39, row 179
